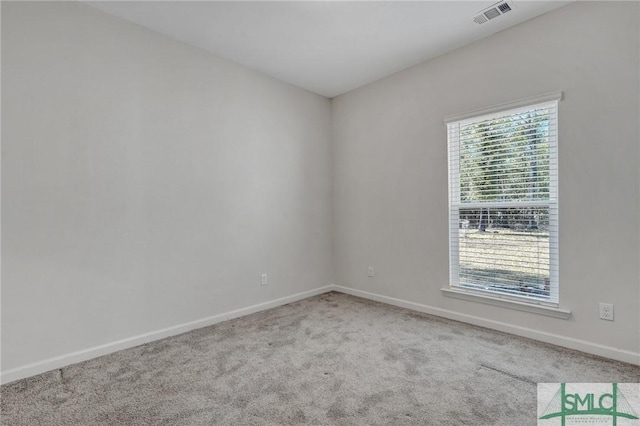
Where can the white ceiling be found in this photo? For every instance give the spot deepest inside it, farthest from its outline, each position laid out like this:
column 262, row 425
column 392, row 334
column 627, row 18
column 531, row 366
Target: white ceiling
column 327, row 47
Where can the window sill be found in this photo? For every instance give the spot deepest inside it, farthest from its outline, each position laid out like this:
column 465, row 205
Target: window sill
column 507, row 303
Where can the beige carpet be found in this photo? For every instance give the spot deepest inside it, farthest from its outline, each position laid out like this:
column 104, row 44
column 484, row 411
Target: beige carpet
column 332, row 359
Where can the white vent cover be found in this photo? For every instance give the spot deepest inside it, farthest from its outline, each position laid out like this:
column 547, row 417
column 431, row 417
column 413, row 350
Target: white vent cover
column 493, row 11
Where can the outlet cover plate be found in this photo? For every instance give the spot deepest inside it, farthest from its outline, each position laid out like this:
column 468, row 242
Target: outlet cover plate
column 606, row 311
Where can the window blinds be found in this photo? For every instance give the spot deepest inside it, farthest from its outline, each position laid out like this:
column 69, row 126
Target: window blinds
column 503, row 173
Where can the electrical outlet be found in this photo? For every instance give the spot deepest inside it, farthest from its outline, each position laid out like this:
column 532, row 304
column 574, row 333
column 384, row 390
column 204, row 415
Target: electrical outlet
column 370, row 271
column 606, row 311
column 265, row 280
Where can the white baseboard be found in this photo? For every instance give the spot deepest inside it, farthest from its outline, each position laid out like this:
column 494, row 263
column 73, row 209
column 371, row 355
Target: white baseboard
column 567, row 342
column 94, row 352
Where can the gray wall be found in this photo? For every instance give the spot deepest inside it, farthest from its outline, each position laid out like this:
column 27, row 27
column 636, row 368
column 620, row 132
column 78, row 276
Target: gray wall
column 146, row 183
column 390, row 167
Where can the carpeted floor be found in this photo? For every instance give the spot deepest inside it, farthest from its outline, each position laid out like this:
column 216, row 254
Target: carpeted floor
column 332, row 359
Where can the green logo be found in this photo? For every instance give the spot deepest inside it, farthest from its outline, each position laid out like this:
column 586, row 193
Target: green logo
column 566, row 404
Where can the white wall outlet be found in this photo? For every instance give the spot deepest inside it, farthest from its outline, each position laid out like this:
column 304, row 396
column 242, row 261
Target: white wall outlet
column 606, row 311
column 370, row 271
column 265, row 279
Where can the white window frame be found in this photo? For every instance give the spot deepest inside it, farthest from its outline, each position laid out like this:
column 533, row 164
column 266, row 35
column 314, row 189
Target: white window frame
column 550, row 306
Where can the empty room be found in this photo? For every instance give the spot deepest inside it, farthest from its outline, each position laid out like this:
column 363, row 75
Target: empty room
column 320, row 212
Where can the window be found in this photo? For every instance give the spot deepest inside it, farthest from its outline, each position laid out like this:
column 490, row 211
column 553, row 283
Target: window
column 503, row 203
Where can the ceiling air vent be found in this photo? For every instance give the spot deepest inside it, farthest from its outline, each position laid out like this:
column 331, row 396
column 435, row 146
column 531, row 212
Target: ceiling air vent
column 504, row 7
column 480, row 19
column 493, row 11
